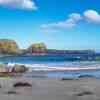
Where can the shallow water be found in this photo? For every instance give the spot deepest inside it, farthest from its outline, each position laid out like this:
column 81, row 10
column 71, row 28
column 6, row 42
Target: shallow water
column 43, row 62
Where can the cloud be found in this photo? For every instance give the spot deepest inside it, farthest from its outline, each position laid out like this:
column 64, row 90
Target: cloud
column 92, row 16
column 72, row 20
column 48, row 30
column 20, row 4
column 69, row 23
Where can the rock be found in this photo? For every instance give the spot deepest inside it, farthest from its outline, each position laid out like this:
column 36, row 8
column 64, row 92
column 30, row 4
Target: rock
column 84, row 93
column 11, row 92
column 37, row 49
column 64, row 79
column 0, row 86
column 22, row 84
column 19, row 69
column 8, row 47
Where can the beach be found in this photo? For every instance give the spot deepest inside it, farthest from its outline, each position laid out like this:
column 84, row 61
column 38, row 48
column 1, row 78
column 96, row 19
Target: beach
column 50, row 50
column 50, row 89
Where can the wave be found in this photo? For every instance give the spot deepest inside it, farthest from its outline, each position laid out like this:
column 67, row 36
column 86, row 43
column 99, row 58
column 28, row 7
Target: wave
column 46, row 67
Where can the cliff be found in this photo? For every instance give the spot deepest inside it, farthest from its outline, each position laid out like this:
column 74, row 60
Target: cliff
column 37, row 49
column 8, row 46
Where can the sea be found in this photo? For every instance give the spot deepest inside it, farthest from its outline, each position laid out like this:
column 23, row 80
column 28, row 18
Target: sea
column 41, row 66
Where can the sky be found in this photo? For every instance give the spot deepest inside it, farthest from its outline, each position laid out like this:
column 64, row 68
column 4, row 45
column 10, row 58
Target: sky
column 60, row 24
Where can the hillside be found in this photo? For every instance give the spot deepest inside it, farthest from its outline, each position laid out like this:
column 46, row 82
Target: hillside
column 8, row 46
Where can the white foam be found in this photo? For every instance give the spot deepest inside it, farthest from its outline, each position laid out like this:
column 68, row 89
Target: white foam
column 45, row 67
column 53, row 68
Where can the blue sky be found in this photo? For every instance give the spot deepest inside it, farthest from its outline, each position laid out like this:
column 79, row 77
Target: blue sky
column 60, row 24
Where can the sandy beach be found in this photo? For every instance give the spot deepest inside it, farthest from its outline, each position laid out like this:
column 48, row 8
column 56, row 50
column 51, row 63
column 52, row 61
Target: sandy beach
column 50, row 89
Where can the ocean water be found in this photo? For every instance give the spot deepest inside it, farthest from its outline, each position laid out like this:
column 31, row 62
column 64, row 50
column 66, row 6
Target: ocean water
column 44, row 63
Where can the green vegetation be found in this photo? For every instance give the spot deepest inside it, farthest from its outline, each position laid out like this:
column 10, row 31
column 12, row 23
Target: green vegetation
column 38, row 47
column 8, row 47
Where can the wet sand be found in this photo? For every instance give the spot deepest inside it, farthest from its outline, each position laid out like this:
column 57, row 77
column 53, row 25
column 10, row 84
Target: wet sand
column 50, row 89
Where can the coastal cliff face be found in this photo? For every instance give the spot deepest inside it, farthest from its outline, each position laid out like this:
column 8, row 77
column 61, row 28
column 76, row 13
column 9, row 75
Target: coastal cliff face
column 37, row 49
column 8, row 46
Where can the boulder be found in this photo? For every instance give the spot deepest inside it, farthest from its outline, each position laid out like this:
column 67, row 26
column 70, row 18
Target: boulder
column 19, row 68
column 22, row 84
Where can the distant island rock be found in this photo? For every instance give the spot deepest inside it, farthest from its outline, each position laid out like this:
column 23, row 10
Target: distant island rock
column 37, row 49
column 9, row 47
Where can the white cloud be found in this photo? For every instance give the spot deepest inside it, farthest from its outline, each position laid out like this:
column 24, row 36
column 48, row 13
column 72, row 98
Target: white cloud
column 75, row 17
column 69, row 23
column 21, row 4
column 48, row 30
column 92, row 16
column 72, row 20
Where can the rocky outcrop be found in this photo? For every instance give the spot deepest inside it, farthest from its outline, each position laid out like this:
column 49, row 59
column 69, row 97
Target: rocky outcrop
column 37, row 49
column 8, row 46
column 19, row 68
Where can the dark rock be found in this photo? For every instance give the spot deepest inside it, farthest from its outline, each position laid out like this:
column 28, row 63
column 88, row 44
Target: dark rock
column 11, row 92
column 84, row 93
column 22, row 84
column 64, row 79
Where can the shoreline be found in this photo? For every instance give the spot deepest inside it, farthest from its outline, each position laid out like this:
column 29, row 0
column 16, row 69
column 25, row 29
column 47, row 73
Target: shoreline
column 45, row 67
